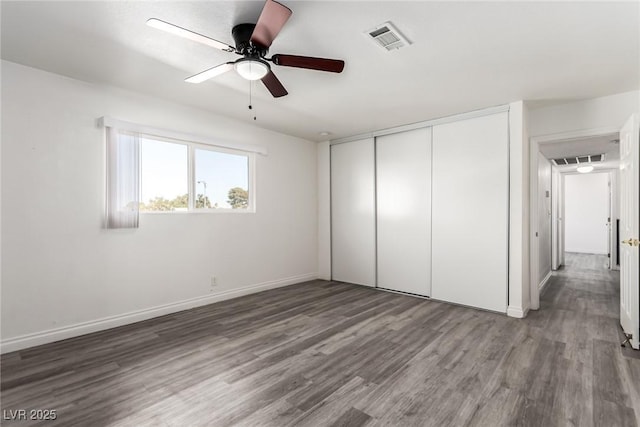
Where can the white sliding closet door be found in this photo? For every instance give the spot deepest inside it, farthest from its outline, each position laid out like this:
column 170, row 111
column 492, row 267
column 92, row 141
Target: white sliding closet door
column 353, row 232
column 403, row 177
column 470, row 212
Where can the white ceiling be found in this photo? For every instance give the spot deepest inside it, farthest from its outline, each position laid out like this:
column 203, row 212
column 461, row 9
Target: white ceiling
column 603, row 144
column 464, row 56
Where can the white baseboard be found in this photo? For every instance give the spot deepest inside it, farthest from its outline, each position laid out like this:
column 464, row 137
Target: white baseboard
column 543, row 283
column 517, row 312
column 584, row 251
column 70, row 331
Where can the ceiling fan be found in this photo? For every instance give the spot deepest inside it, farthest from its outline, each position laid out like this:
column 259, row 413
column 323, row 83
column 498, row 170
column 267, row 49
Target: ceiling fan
column 252, row 43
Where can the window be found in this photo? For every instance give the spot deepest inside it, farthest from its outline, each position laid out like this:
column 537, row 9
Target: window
column 220, row 178
column 164, row 184
column 158, row 170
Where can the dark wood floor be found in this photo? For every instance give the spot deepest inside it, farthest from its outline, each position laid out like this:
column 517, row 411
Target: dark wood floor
column 331, row 354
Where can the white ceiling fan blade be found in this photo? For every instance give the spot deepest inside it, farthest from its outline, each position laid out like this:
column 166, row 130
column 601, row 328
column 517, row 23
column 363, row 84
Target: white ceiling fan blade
column 210, row 73
column 190, row 35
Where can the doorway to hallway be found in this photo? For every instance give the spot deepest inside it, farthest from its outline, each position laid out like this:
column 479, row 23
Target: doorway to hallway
column 575, row 201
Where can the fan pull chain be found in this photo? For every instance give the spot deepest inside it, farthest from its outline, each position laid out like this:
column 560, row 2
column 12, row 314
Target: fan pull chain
column 250, row 103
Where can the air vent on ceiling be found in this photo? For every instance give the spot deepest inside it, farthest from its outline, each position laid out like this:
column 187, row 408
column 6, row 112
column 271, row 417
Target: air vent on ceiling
column 387, row 36
column 579, row 159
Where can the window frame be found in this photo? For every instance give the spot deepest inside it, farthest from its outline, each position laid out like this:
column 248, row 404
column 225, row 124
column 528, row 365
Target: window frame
column 191, row 176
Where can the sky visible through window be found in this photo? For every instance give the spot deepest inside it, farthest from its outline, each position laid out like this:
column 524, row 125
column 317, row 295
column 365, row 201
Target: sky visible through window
column 221, row 172
column 164, row 172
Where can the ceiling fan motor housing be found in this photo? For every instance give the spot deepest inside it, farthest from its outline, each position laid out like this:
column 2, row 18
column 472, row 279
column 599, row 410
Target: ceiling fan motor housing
column 242, row 36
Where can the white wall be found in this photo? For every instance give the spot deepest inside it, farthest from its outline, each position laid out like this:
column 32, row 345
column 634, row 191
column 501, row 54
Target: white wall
column 61, row 271
column 544, row 217
column 519, row 268
column 586, row 213
column 603, row 112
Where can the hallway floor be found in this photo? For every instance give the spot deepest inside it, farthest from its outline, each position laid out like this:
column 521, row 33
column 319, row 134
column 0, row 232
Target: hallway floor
column 579, row 314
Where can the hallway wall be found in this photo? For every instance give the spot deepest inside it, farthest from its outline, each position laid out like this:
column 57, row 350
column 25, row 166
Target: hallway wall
column 604, row 112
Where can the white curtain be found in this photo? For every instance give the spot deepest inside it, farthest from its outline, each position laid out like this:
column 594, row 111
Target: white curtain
column 123, row 179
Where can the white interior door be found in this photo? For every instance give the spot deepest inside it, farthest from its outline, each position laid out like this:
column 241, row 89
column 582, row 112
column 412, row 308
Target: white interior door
column 353, row 242
column 555, row 178
column 470, row 212
column 609, row 224
column 544, row 218
column 403, row 186
column 561, row 225
column 629, row 233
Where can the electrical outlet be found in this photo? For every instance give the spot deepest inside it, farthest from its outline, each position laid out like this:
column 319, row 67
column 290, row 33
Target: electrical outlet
column 214, row 281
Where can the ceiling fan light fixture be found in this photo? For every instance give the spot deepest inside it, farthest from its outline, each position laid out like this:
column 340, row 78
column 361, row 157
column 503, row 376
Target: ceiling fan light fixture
column 251, row 68
column 585, row 169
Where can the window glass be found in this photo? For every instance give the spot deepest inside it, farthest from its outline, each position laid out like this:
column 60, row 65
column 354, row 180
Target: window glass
column 163, row 176
column 221, row 180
